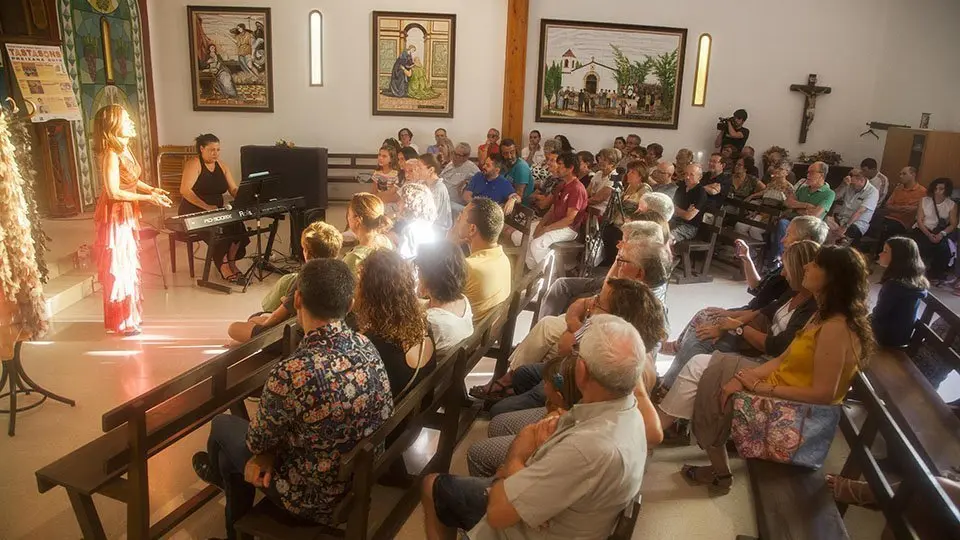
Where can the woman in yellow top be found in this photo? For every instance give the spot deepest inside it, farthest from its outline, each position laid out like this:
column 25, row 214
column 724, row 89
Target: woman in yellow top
column 816, row 368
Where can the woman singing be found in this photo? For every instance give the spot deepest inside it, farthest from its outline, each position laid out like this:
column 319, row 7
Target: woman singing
column 117, row 219
column 205, row 179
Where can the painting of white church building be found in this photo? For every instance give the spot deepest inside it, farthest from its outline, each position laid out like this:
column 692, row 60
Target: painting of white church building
column 610, row 74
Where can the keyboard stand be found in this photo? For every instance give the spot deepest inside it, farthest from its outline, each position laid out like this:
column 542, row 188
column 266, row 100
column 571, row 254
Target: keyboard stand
column 205, row 282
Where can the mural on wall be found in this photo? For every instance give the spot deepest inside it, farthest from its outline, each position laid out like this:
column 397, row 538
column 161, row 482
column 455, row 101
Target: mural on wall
column 231, row 68
column 413, row 64
column 103, row 49
column 610, row 74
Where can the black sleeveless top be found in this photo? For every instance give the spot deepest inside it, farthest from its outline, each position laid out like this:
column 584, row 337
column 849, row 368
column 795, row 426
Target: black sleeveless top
column 209, row 187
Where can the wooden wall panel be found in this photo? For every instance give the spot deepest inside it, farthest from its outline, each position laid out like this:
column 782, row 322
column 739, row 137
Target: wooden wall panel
column 514, row 71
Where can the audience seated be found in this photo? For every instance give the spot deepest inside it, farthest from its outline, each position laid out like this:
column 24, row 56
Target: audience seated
column 489, row 279
column 743, row 183
column 879, row 180
column 416, row 215
column 689, row 203
column 773, row 194
column 442, row 276
column 565, row 217
column 554, row 337
column 816, row 368
column 565, row 145
column 601, row 186
column 389, row 314
column 899, row 214
column 427, row 175
column 936, row 221
column 457, row 173
column 574, row 472
column 405, row 136
column 533, row 152
column 490, row 146
column 857, row 200
column 902, row 287
column 641, row 257
column 367, row 220
column 635, row 187
column 620, row 143
column 386, row 178
column 717, row 182
column 490, row 182
column 319, row 241
column 762, row 332
column 586, row 162
column 516, row 170
column 813, row 198
column 771, row 158
column 751, row 155
column 633, row 141
column 654, row 154
column 438, row 135
column 662, row 179
column 684, row 157
column 546, row 179
column 300, row 432
column 444, row 152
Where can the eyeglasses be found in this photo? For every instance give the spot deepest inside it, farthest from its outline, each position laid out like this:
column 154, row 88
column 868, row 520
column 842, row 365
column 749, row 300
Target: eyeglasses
column 461, row 154
column 621, row 260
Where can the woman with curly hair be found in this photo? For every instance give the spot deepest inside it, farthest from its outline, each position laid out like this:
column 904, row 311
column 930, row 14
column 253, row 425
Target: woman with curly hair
column 416, row 215
column 816, row 368
column 389, row 313
column 684, row 158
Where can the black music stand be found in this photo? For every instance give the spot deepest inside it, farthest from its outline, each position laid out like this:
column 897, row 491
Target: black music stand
column 21, row 383
column 257, row 189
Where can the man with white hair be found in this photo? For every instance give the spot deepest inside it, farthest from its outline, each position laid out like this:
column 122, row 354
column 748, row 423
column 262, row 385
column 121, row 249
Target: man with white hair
column 644, row 259
column 690, row 201
column 457, row 172
column 567, row 476
column 660, row 203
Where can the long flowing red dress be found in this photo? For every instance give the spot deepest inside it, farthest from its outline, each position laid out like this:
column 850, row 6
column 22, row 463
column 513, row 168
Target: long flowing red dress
column 117, row 250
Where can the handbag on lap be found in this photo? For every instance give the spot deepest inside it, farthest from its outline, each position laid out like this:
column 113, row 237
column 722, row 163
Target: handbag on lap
column 783, row 431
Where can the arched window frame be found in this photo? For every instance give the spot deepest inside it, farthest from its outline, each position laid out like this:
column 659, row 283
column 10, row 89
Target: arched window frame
column 315, row 43
column 702, row 73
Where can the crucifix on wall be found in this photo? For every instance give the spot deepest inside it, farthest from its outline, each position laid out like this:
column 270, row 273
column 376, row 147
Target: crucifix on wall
column 810, row 91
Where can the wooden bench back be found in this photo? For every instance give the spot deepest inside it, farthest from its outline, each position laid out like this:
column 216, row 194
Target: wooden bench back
column 523, row 219
column 918, row 479
column 923, row 334
column 349, row 167
column 746, row 209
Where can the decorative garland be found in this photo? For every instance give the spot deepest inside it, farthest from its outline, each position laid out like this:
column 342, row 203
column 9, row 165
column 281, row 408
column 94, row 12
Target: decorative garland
column 20, row 281
column 23, row 155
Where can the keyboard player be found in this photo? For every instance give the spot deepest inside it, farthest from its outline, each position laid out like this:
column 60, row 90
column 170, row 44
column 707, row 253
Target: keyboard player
column 204, row 182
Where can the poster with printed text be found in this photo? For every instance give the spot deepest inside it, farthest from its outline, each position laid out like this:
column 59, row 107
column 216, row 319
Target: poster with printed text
column 44, row 82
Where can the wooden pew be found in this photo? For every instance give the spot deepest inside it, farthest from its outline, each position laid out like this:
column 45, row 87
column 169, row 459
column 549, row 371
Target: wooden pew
column 348, row 174
column 705, row 242
column 523, row 219
column 142, row 427
column 743, row 214
column 365, row 465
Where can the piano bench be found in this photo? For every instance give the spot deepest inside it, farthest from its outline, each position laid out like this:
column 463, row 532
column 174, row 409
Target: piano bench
column 188, row 239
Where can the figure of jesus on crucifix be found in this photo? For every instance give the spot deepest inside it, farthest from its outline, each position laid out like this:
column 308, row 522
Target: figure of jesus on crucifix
column 810, row 91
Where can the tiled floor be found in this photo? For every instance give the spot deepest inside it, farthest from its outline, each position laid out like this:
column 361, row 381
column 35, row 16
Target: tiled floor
column 185, row 326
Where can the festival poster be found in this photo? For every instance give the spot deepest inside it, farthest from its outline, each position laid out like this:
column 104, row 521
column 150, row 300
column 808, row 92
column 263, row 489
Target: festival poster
column 44, row 81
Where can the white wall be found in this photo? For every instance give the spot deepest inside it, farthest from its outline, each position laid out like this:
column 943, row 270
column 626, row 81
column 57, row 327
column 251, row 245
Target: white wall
column 887, row 61
column 760, row 48
column 337, row 115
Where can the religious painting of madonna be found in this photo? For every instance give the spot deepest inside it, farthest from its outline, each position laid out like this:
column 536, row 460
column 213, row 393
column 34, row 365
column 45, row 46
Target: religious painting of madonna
column 231, row 68
column 610, row 74
column 413, row 64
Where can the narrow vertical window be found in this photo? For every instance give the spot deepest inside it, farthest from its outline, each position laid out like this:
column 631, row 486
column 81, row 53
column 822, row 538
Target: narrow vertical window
column 316, row 48
column 107, row 49
column 704, row 44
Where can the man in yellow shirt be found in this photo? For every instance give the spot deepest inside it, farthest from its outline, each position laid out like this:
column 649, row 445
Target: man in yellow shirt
column 488, row 269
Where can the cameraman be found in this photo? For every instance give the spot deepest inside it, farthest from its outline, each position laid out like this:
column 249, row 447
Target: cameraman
column 731, row 131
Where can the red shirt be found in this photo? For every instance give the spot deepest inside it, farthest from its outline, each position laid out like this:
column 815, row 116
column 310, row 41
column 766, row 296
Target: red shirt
column 570, row 195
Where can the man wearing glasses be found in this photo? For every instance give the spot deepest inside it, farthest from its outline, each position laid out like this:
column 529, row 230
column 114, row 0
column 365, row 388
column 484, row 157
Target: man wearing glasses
column 490, row 146
column 456, row 173
column 813, row 198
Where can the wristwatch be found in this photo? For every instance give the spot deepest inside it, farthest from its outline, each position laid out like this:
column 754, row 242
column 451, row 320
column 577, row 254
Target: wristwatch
column 739, row 331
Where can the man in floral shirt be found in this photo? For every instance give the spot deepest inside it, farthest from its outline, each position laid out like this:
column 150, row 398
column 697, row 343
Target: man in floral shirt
column 332, row 392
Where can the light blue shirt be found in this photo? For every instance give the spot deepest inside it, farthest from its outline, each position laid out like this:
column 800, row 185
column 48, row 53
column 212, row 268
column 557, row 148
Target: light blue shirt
column 520, row 174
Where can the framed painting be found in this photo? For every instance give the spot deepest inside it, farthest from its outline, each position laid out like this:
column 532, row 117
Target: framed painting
column 413, row 64
column 610, row 74
column 231, row 67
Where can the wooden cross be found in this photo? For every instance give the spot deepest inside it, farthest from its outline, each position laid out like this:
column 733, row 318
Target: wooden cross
column 810, row 91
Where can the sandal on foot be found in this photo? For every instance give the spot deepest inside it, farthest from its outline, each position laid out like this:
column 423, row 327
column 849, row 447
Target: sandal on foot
column 493, row 391
column 850, row 491
column 720, row 484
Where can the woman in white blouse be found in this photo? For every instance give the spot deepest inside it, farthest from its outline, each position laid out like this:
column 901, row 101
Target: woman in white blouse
column 936, row 221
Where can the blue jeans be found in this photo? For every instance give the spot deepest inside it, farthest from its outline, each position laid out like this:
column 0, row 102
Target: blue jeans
column 691, row 346
column 528, row 391
column 227, row 447
column 776, row 241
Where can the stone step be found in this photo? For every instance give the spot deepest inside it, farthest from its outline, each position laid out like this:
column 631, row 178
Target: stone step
column 68, row 289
